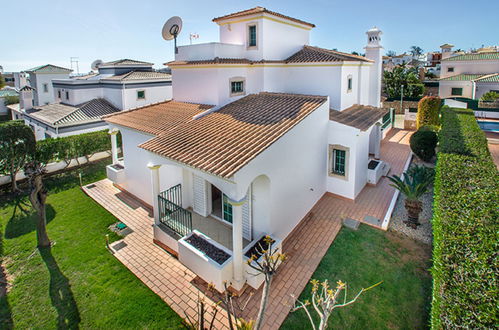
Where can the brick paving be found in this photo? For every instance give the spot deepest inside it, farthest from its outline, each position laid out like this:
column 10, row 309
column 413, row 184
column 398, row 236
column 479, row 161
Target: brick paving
column 305, row 246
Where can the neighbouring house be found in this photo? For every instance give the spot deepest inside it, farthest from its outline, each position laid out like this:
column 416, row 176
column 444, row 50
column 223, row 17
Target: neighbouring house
column 5, row 92
column 469, row 75
column 40, row 78
column 80, row 102
column 261, row 126
column 16, row 80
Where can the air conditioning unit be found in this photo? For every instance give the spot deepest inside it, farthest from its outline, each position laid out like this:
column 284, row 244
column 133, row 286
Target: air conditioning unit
column 375, row 170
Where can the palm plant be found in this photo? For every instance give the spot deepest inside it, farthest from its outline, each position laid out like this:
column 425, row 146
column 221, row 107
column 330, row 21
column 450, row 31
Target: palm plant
column 415, row 182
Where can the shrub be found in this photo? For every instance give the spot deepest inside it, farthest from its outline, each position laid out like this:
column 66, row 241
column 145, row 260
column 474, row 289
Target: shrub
column 428, row 111
column 423, row 143
column 465, row 226
column 490, row 96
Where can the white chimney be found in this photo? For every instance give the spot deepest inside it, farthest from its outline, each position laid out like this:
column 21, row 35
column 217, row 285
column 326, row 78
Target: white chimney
column 26, row 98
column 446, row 50
column 374, row 52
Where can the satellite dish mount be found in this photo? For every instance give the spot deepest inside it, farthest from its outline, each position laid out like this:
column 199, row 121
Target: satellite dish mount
column 171, row 29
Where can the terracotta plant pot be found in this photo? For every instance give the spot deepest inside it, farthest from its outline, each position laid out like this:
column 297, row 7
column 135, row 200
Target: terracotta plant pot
column 413, row 208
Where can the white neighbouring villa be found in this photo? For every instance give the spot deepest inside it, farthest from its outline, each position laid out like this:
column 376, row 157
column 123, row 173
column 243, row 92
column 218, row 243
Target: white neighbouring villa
column 76, row 104
column 260, row 127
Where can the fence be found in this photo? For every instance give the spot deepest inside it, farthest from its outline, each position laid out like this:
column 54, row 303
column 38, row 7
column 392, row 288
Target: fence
column 171, row 213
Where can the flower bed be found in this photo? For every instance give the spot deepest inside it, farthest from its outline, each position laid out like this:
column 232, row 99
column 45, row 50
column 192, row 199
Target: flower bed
column 207, row 248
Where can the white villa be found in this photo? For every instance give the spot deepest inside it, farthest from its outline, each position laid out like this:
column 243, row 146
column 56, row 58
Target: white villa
column 56, row 105
column 260, row 127
column 468, row 75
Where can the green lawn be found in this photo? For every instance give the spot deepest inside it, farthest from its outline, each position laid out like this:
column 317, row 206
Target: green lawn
column 76, row 283
column 362, row 258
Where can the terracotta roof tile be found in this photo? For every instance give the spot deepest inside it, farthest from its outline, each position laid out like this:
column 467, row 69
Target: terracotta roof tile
column 140, row 75
column 358, row 116
column 157, row 118
column 316, row 54
column 224, row 141
column 125, row 61
column 260, row 10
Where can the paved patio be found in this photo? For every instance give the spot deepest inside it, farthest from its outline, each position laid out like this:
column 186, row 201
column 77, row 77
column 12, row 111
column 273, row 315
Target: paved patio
column 306, row 245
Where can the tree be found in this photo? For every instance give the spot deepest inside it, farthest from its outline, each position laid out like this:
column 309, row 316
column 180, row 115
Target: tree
column 271, row 259
column 17, row 145
column 38, row 196
column 416, row 51
column 325, row 300
column 490, row 96
column 391, row 53
column 402, row 76
column 415, row 183
column 2, row 81
column 11, row 99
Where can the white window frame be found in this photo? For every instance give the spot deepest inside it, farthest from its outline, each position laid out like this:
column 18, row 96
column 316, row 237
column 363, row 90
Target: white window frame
column 237, row 79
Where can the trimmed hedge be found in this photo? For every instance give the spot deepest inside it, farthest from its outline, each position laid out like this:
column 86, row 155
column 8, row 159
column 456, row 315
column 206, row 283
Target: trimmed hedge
column 423, row 143
column 428, row 111
column 465, row 227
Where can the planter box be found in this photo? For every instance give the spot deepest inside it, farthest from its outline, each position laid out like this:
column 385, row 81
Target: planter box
column 252, row 278
column 116, row 173
column 202, row 265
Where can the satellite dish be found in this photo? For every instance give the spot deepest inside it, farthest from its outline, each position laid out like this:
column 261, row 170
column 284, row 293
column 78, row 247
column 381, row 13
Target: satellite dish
column 171, row 30
column 95, row 64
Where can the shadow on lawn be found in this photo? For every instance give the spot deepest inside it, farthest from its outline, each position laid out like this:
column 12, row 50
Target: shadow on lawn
column 61, row 294
column 23, row 220
column 6, row 321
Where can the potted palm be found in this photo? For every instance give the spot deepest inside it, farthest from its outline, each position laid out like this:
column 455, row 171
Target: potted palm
column 415, row 182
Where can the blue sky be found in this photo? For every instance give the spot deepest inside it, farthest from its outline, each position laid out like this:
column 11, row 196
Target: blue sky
column 51, row 31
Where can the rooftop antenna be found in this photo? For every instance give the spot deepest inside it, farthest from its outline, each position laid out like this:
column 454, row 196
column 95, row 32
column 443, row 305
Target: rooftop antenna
column 171, row 30
column 95, row 64
column 75, row 60
column 193, row 36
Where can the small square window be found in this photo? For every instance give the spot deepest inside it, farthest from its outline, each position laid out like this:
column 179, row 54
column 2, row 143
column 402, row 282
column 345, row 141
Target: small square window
column 237, row 87
column 457, row 91
column 141, row 95
column 450, row 69
column 45, row 88
column 252, row 36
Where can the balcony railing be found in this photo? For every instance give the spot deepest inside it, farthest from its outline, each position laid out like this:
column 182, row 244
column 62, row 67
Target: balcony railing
column 171, row 213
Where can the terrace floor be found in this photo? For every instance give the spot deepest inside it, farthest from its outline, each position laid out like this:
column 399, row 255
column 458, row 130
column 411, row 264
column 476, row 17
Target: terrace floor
column 305, row 246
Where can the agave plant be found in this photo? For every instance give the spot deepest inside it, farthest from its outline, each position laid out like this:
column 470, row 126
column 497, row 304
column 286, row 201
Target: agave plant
column 415, row 182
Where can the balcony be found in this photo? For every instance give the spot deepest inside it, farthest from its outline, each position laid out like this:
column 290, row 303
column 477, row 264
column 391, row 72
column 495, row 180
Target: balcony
column 209, row 51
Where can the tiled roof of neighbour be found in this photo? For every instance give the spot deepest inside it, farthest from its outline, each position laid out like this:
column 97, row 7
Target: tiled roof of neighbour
column 474, row 57
column 316, row 54
column 125, row 61
column 358, row 116
column 140, row 75
column 494, row 77
column 224, row 141
column 446, row 46
column 8, row 92
column 218, row 60
column 158, row 118
column 462, row 77
column 259, row 10
column 85, row 77
column 48, row 68
column 59, row 114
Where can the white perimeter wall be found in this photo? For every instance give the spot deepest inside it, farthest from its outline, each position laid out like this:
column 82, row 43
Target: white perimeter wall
column 296, row 167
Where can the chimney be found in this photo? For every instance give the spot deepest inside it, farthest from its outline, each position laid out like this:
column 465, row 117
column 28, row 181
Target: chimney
column 374, row 52
column 26, row 98
column 446, row 50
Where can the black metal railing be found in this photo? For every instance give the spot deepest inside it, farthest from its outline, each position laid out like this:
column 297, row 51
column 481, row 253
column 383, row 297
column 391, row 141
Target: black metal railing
column 171, row 213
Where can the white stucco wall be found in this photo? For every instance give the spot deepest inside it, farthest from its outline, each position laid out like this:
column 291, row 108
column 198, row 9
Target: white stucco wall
column 77, row 96
column 472, row 67
column 152, row 95
column 445, row 88
column 482, row 88
column 38, row 80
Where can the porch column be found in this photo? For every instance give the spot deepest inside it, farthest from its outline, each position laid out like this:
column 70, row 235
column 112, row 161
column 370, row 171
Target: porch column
column 237, row 242
column 155, row 190
column 114, row 145
column 379, row 137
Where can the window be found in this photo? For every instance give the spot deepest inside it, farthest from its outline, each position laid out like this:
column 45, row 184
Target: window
column 456, row 91
column 339, row 159
column 141, row 95
column 47, row 136
column 45, row 88
column 59, row 94
column 237, row 86
column 67, row 95
column 349, row 87
column 450, row 69
column 252, row 36
column 227, row 209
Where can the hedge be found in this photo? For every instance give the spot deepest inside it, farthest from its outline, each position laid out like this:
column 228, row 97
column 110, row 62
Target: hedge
column 428, row 111
column 465, row 227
